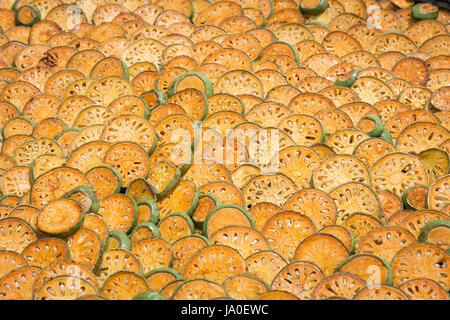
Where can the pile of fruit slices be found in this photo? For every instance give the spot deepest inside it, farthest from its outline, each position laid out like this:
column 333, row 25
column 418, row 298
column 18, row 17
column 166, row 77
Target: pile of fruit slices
column 244, row 149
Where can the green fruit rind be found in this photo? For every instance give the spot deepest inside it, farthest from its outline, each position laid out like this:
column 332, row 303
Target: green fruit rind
column 436, row 223
column 421, row 15
column 122, row 238
column 206, row 81
column 322, row 5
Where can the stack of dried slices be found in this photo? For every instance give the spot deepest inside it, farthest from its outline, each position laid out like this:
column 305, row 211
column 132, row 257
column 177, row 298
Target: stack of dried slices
column 244, row 149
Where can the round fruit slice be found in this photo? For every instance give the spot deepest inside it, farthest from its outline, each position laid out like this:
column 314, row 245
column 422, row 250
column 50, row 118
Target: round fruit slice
column 144, row 230
column 305, row 130
column 339, row 169
column 185, row 247
column 9, row 261
column 18, row 284
column 245, row 287
column 397, row 172
column 341, row 284
column 215, row 262
column 183, row 198
column 285, row 230
column 425, row 11
column 175, row 226
column 324, row 250
column 60, row 218
column 197, row 289
column 118, row 239
column 116, row 260
column 415, row 198
column 436, row 232
column 238, row 82
column 244, row 239
column 381, row 292
column 86, row 247
column 64, row 288
column 417, row 220
column 265, row 264
column 372, row 269
column 43, row 251
column 124, row 285
column 315, row 204
column 105, row 180
column 163, row 177
column 16, row 234
column 226, row 215
column 436, row 162
column 424, row 289
column 129, row 159
column 313, row 7
column 130, row 128
column 421, row 260
column 153, row 253
column 119, row 212
column 355, row 197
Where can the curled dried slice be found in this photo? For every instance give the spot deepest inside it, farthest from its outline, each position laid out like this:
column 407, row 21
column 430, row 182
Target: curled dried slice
column 341, row 284
column 64, row 288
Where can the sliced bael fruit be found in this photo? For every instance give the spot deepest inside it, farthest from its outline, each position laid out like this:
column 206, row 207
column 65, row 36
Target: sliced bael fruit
column 215, row 262
column 159, row 277
column 18, row 284
column 238, row 82
column 185, row 247
column 315, row 204
column 244, row 239
column 16, row 234
column 130, row 128
column 253, row 287
column 144, row 230
column 175, row 226
column 197, row 289
column 285, row 230
column 361, row 223
column 163, row 177
column 183, row 198
column 226, row 215
column 153, row 253
column 425, row 11
column 417, row 220
column 324, row 250
column 372, row 269
column 265, row 264
column 347, row 79
column 385, row 242
column 118, row 239
column 339, row 169
column 340, row 284
column 421, row 260
column 60, row 218
column 139, row 189
column 10, row 260
column 314, row 7
column 130, row 159
column 436, row 232
column 381, row 292
column 94, row 222
column 86, row 247
column 355, row 197
column 296, row 162
column 424, row 289
column 64, row 288
column 415, row 198
column 119, row 212
column 438, row 194
column 436, row 162
column 275, row 188
column 206, row 203
column 43, row 251
column 105, row 180
column 277, row 295
column 115, row 260
column 124, row 285
column 397, row 172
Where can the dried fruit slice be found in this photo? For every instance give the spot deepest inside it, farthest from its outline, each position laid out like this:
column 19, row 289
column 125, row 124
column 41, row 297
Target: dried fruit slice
column 153, row 253
column 424, row 289
column 185, row 247
column 381, row 292
column 341, row 284
column 324, row 250
column 175, row 226
column 415, row 198
column 385, row 242
column 116, row 260
column 425, row 11
column 397, row 172
column 436, row 232
column 9, row 261
column 436, row 162
column 118, row 239
column 195, row 289
column 16, row 234
column 245, row 287
column 60, row 218
column 242, row 238
column 417, row 220
column 159, row 277
column 238, row 82
column 119, row 212
column 54, row 184
column 215, row 262
column 144, row 230
column 64, row 287
column 313, row 7
column 129, row 159
column 421, row 260
column 43, row 251
column 371, row 268
column 18, row 284
column 86, row 247
column 339, row 169
column 124, row 285
column 183, row 198
column 105, row 180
